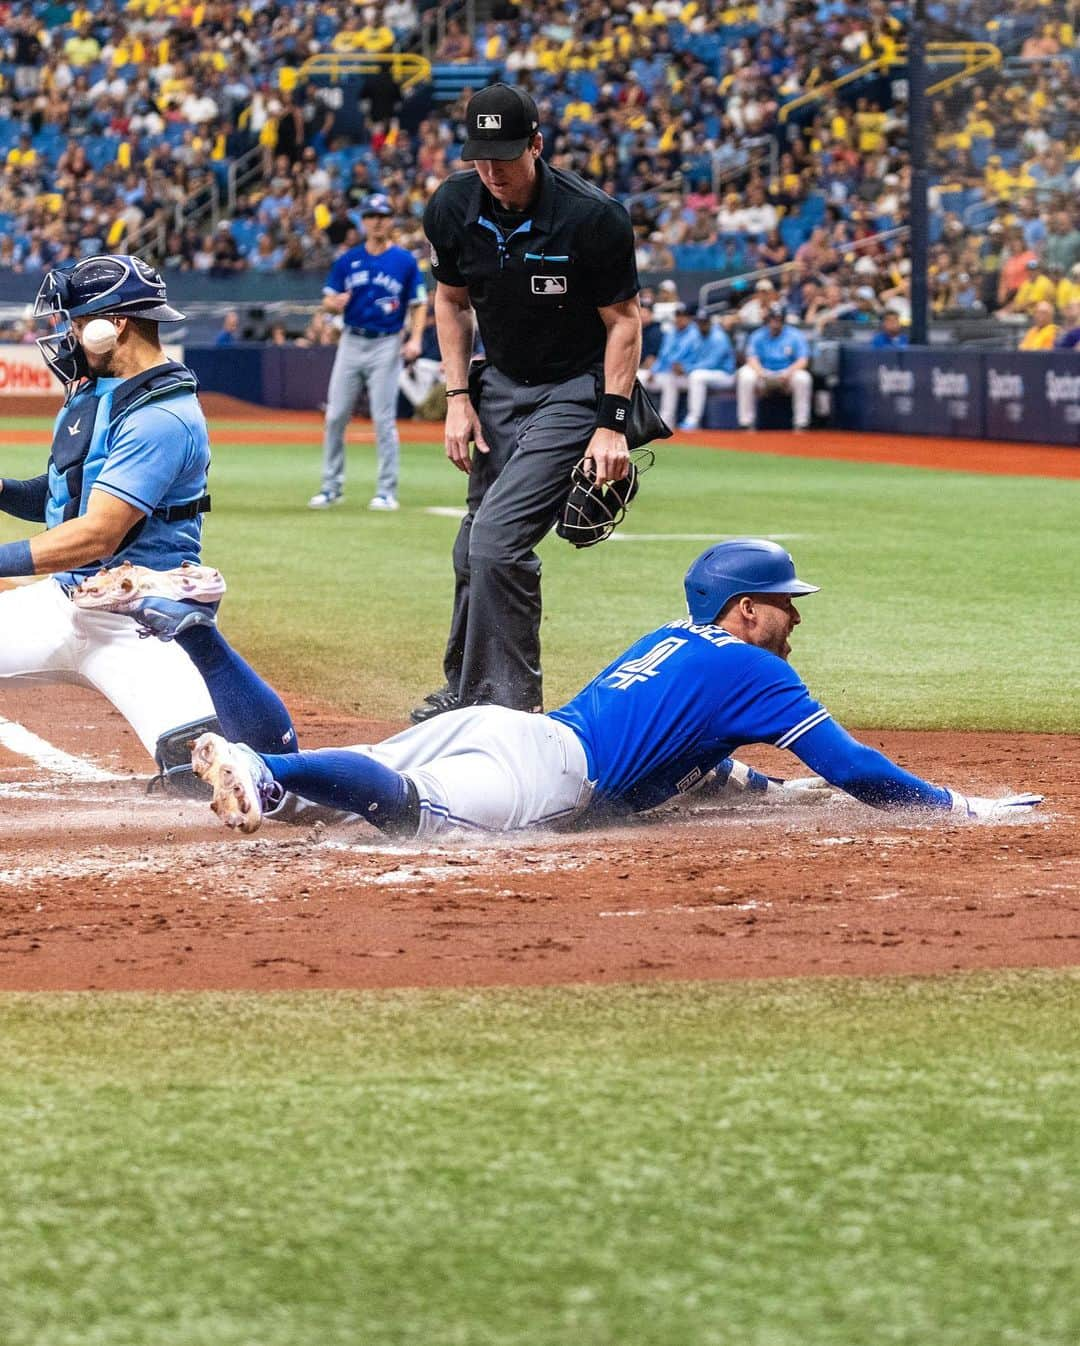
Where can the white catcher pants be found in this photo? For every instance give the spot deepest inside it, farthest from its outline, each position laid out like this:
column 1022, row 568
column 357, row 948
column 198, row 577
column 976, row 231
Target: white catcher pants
column 45, row 638
column 749, row 385
column 489, row 768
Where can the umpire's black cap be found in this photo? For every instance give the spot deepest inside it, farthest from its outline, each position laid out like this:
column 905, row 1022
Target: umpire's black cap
column 502, row 120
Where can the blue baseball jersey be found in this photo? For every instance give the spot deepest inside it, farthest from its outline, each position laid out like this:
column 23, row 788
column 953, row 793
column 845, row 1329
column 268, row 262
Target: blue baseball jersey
column 380, row 288
column 155, row 456
column 715, row 352
column 677, row 348
column 778, row 352
column 659, row 719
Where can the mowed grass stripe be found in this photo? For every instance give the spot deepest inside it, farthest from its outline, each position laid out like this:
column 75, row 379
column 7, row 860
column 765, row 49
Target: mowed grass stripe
column 945, row 602
column 798, row 1164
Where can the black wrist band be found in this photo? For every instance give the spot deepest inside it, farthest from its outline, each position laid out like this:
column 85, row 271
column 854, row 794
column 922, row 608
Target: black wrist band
column 456, row 392
column 614, row 413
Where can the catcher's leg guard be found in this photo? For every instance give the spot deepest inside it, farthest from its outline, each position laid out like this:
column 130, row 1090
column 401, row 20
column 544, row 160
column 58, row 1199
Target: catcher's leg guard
column 173, row 757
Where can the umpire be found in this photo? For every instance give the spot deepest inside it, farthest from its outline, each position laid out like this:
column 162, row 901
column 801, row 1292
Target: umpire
column 545, row 261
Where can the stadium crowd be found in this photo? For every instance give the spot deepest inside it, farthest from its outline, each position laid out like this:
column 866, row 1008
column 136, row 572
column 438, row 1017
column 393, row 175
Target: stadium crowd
column 119, row 127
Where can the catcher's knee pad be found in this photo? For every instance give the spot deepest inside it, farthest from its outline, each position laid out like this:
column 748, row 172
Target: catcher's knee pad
column 173, row 757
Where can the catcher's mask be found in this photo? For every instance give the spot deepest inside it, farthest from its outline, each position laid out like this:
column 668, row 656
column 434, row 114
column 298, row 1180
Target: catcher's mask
column 592, row 512
column 93, row 287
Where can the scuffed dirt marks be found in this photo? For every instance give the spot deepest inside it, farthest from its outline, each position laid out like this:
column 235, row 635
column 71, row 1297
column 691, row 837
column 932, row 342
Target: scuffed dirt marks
column 102, row 886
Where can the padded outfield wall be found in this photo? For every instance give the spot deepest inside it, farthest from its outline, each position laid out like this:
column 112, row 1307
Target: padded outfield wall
column 1033, row 396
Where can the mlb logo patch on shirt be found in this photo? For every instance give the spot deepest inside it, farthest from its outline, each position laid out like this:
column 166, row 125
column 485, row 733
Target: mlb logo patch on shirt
column 549, row 284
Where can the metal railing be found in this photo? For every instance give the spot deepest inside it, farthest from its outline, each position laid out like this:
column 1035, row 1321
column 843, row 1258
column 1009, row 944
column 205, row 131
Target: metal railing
column 407, row 67
column 433, row 23
column 244, row 171
column 709, row 292
column 974, row 56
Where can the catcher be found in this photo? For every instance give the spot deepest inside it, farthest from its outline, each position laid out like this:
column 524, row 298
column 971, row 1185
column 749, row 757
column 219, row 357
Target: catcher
column 660, row 721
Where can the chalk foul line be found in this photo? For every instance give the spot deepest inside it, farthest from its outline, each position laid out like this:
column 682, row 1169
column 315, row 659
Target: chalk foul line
column 18, row 739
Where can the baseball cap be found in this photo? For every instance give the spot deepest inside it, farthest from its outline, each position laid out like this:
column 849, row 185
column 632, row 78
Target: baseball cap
column 703, row 315
column 775, row 311
column 377, row 205
column 502, row 120
column 764, row 285
column 864, row 292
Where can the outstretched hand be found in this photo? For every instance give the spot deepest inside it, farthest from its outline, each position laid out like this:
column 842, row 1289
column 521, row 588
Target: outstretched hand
column 972, row 806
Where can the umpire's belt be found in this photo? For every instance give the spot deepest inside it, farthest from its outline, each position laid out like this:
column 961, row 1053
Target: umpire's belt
column 368, row 332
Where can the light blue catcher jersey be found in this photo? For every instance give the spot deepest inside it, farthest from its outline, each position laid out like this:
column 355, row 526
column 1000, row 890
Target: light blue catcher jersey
column 156, row 456
column 380, row 287
column 681, row 699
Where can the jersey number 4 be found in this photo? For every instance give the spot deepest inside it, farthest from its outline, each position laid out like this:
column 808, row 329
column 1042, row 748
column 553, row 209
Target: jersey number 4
column 641, row 670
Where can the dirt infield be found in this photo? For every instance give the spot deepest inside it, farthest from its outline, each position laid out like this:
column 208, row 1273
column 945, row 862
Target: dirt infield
column 102, row 887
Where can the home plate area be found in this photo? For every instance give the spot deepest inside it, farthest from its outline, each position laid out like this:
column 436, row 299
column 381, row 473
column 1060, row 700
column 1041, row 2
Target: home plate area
column 105, row 886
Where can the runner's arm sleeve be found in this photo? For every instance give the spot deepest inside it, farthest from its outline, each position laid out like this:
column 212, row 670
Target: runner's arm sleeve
column 26, row 499
column 863, row 772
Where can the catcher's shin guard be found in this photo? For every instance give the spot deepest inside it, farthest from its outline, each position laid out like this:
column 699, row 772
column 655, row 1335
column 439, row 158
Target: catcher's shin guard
column 173, row 757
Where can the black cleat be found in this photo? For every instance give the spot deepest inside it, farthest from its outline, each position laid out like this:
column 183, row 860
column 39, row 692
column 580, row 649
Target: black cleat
column 435, row 703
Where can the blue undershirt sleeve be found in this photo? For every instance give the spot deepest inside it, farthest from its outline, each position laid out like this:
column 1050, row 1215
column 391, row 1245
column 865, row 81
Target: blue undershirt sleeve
column 864, row 772
column 26, row 499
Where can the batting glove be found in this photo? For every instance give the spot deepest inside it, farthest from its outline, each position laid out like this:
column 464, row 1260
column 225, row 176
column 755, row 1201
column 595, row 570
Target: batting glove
column 971, row 806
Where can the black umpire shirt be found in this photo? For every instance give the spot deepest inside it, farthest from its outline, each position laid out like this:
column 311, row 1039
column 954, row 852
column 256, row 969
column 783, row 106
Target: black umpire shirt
column 535, row 279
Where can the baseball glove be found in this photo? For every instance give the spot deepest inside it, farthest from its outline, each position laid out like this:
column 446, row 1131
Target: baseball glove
column 592, row 512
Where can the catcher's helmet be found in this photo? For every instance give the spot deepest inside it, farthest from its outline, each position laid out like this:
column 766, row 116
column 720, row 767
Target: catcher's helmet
column 94, row 287
column 743, row 565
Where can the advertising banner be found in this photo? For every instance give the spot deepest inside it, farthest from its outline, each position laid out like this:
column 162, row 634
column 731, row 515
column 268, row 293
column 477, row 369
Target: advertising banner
column 1033, row 396
column 1028, row 396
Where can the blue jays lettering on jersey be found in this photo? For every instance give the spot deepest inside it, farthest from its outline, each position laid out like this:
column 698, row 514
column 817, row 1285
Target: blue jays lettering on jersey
column 155, row 456
column 380, row 288
column 659, row 718
column 780, row 351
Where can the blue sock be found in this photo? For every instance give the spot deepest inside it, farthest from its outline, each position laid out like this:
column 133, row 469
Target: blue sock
column 351, row 781
column 249, row 709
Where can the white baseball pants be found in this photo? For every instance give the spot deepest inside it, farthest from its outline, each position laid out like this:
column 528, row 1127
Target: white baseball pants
column 698, row 384
column 749, row 385
column 47, row 639
column 670, row 386
column 490, row 769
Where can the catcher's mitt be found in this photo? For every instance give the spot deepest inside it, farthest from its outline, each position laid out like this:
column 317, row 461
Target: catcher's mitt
column 592, row 512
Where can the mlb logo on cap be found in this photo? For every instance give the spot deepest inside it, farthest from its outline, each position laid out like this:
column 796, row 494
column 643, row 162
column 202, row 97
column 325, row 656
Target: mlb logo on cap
column 502, row 121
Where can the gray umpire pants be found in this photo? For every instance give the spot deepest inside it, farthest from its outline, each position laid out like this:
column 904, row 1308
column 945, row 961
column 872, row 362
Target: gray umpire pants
column 375, row 361
column 516, row 491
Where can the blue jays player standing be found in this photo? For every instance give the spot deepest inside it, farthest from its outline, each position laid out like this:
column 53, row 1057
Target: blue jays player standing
column 660, row 721
column 372, row 286
column 126, row 480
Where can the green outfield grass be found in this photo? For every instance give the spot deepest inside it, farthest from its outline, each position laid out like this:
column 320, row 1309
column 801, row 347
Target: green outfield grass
column 783, row 1164
column 947, row 597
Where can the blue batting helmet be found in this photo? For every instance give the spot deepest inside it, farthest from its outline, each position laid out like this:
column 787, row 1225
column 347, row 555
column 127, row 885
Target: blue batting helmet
column 94, row 287
column 743, row 565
